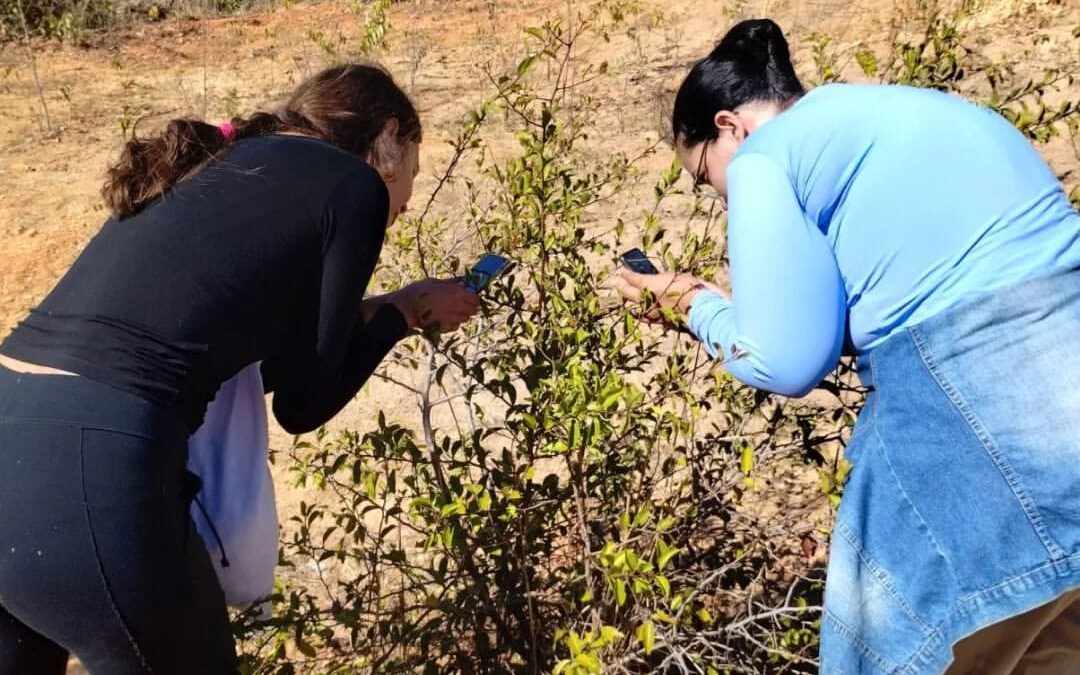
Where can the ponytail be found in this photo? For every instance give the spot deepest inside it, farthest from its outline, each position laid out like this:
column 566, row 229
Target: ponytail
column 347, row 106
column 149, row 166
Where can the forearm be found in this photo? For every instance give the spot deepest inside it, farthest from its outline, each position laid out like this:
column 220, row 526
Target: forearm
column 713, row 320
column 311, row 395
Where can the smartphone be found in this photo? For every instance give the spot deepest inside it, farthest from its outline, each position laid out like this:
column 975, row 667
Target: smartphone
column 636, row 261
column 486, row 269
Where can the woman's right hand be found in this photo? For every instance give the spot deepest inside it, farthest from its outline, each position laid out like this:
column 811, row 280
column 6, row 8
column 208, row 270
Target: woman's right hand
column 439, row 304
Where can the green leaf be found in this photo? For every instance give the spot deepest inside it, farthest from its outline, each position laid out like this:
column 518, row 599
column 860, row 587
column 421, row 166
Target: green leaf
column 455, row 508
column 661, row 615
column 620, row 592
column 746, row 460
column 646, row 633
column 574, row 644
column 609, row 634
column 642, row 516
column 526, row 65
column 666, row 553
column 612, row 400
column 867, row 61
column 665, row 585
column 589, row 662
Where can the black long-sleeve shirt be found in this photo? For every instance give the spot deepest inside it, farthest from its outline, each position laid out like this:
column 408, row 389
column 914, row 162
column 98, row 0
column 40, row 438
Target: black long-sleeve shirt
column 264, row 255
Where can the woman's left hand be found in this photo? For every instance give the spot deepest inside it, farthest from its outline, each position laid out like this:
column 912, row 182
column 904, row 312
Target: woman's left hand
column 436, row 304
column 668, row 290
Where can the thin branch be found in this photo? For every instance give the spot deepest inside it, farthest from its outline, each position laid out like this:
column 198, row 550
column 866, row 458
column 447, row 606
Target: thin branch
column 33, row 65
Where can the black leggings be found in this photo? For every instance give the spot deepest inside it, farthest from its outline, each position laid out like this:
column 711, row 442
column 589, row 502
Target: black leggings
column 98, row 555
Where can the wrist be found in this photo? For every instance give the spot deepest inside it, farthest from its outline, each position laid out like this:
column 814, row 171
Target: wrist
column 687, row 299
column 405, row 306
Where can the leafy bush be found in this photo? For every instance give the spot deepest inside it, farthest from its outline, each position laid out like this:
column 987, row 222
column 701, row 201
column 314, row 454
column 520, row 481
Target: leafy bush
column 581, row 492
column 940, row 58
column 574, row 508
column 61, row 19
column 70, row 20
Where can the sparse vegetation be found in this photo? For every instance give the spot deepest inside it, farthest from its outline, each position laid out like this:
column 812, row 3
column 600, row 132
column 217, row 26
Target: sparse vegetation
column 586, row 510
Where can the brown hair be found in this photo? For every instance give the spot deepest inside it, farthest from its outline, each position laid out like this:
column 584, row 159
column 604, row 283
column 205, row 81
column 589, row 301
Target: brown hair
column 347, row 105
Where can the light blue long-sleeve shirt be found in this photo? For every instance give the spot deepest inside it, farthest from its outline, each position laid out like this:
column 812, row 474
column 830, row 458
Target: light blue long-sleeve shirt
column 873, row 208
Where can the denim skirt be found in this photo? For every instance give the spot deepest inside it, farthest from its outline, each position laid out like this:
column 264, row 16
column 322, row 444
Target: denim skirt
column 963, row 505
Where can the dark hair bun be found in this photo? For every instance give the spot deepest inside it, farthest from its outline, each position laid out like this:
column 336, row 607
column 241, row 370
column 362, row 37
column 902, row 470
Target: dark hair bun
column 755, row 43
column 751, row 63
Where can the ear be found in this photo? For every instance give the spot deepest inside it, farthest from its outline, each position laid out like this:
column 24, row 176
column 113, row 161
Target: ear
column 390, row 129
column 727, row 121
column 383, row 155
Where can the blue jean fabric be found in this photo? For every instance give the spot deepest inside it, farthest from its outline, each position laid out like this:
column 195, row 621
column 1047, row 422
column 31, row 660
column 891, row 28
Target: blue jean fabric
column 963, row 506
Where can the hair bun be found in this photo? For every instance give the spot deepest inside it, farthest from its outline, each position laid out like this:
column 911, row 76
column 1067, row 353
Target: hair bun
column 754, row 43
column 751, row 63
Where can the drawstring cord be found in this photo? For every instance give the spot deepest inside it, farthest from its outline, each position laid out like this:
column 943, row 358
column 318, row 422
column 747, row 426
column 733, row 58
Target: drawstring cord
column 213, row 530
column 192, row 487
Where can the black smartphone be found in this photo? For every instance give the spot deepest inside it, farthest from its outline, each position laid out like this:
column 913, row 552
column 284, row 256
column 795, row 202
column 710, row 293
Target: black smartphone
column 486, row 269
column 636, row 261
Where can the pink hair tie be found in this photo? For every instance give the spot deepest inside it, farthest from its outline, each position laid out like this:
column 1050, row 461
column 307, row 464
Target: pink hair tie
column 228, row 131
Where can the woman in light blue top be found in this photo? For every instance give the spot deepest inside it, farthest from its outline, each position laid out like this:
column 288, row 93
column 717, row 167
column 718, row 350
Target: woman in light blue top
column 927, row 234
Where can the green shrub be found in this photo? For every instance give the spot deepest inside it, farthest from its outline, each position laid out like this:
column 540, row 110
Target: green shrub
column 60, row 19
column 578, row 494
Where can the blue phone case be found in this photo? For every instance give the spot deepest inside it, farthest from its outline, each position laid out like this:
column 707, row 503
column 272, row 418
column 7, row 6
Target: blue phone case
column 485, row 269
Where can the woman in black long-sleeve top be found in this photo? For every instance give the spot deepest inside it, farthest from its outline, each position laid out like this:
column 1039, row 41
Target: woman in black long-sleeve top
column 228, row 245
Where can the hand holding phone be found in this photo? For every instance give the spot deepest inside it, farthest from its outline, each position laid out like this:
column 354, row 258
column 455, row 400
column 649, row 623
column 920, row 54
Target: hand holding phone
column 635, row 260
column 487, row 269
column 440, row 304
column 671, row 290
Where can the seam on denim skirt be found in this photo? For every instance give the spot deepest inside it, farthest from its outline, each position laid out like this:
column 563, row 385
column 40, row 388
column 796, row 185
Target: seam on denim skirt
column 877, row 434
column 101, row 566
column 980, row 433
column 879, row 574
column 964, row 606
column 915, row 510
